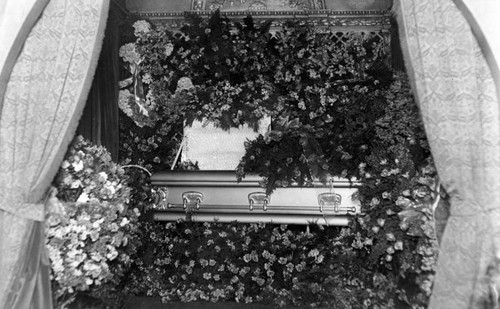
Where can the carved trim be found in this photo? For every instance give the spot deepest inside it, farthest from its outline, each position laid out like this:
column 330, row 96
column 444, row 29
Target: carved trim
column 256, row 5
column 344, row 20
column 306, row 13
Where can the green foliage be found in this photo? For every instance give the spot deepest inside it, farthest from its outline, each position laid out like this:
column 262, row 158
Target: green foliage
column 280, row 265
column 337, row 109
column 233, row 73
column 399, row 183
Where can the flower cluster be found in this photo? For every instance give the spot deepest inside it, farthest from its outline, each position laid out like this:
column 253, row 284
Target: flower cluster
column 246, row 263
column 84, row 251
column 88, row 174
column 93, row 237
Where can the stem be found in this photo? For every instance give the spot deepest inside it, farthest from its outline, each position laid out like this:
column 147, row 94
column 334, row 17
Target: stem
column 139, row 167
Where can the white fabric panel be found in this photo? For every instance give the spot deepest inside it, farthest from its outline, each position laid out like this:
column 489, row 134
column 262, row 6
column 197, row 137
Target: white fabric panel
column 13, row 13
column 216, row 149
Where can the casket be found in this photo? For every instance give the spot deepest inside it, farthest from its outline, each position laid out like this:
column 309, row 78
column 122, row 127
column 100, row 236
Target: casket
column 217, row 196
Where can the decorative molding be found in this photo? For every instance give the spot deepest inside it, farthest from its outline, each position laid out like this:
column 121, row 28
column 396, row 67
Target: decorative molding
column 257, row 5
column 341, row 20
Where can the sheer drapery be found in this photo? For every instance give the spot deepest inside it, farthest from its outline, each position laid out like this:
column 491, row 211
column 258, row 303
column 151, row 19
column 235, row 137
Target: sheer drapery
column 459, row 105
column 482, row 16
column 43, row 100
column 17, row 17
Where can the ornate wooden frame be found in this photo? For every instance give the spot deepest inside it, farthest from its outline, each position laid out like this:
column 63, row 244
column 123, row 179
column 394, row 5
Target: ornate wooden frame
column 344, row 21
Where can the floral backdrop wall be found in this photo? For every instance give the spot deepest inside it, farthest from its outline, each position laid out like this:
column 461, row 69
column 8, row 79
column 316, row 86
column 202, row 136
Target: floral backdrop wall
column 337, row 109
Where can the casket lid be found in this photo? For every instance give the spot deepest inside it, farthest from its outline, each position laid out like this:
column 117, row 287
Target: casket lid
column 224, row 178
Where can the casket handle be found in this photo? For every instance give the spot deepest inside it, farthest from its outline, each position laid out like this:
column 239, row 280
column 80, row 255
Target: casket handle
column 259, row 198
column 329, row 199
column 160, row 195
column 192, row 198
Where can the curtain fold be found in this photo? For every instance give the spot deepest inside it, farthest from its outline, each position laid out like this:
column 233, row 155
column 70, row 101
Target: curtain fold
column 459, row 105
column 42, row 103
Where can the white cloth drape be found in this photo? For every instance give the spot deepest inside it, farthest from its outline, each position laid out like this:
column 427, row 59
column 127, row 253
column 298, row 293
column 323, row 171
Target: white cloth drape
column 43, row 100
column 17, row 18
column 482, row 16
column 456, row 92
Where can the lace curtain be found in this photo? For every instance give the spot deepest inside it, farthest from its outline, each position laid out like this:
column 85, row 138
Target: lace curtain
column 459, row 105
column 44, row 97
column 17, row 17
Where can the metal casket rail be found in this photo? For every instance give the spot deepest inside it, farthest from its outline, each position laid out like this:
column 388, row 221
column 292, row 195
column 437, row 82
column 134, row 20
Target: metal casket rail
column 216, row 196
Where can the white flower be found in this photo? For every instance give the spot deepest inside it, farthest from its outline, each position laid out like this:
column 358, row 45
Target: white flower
column 313, row 253
column 113, row 227
column 124, row 222
column 76, row 184
column 129, row 53
column 102, row 176
column 390, row 237
column 137, row 212
column 112, row 253
column 374, row 202
column 83, row 198
column 96, row 256
column 78, row 166
column 141, row 27
column 123, row 102
column 403, row 202
column 184, row 83
column 169, row 48
column 398, row 245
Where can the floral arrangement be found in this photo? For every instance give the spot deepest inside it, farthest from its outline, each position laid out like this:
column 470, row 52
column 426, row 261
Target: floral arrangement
column 92, row 234
column 386, row 259
column 399, row 188
column 286, row 266
column 337, row 109
column 247, row 263
column 210, row 72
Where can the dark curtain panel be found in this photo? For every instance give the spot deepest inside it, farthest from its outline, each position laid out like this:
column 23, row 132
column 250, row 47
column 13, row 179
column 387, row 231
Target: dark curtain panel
column 99, row 121
column 397, row 60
